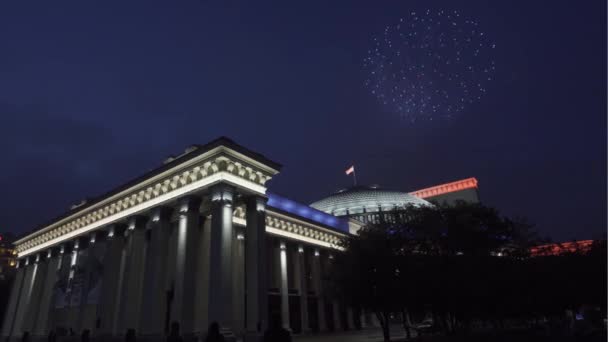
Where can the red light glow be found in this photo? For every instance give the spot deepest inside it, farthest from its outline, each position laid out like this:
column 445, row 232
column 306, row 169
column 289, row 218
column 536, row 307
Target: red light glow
column 561, row 248
column 469, row 183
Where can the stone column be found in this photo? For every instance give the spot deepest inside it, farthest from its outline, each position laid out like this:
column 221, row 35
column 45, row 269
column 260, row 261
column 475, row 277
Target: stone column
column 13, row 304
column 284, row 289
column 350, row 318
column 75, row 284
column 113, row 265
column 336, row 314
column 130, row 305
column 335, row 305
column 238, row 283
column 220, row 258
column 316, row 276
column 154, row 303
column 255, row 268
column 90, row 265
column 373, row 320
column 363, row 318
column 184, row 285
column 301, row 278
column 46, row 301
column 33, row 307
column 31, row 269
column 202, row 278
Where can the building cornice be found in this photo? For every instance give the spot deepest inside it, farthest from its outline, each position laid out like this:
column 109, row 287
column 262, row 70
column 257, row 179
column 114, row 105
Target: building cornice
column 291, row 227
column 469, row 183
column 219, row 164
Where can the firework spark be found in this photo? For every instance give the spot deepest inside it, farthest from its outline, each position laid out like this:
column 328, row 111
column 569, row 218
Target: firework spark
column 430, row 65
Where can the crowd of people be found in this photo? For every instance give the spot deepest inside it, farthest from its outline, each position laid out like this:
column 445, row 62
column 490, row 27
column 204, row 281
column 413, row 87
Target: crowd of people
column 275, row 333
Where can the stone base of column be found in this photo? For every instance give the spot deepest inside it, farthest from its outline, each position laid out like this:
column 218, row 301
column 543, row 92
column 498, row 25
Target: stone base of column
column 228, row 334
column 151, row 338
column 11, row 339
column 305, row 331
column 38, row 338
column 253, row 337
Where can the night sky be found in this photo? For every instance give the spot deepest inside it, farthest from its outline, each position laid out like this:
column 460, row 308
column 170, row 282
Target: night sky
column 93, row 94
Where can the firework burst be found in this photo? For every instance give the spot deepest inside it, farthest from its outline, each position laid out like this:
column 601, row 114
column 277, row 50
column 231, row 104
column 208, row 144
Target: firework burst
column 430, row 65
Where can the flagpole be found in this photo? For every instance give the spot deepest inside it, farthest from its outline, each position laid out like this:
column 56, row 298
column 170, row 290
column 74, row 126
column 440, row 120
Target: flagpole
column 350, row 170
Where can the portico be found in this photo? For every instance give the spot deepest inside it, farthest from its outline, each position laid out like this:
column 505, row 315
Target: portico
column 200, row 239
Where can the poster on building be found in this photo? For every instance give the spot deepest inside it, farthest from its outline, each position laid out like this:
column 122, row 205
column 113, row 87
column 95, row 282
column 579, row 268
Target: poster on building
column 94, row 270
column 77, row 288
column 61, row 294
column 60, row 298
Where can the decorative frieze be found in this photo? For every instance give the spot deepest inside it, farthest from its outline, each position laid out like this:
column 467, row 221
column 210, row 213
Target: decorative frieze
column 219, row 164
column 294, row 228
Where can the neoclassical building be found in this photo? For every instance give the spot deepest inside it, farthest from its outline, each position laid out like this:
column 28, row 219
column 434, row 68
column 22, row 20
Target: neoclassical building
column 199, row 239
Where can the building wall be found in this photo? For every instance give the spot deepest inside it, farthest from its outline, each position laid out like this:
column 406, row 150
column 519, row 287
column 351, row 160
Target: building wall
column 166, row 248
column 82, row 276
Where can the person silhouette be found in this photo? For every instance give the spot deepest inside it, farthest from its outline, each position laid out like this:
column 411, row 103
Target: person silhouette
column 130, row 336
column 276, row 332
column 174, row 333
column 52, row 336
column 85, row 337
column 213, row 334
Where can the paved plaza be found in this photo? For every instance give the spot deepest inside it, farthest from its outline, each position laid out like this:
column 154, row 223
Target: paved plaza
column 365, row 335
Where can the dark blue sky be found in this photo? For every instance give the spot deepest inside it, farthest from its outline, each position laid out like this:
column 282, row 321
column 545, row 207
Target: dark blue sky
column 95, row 93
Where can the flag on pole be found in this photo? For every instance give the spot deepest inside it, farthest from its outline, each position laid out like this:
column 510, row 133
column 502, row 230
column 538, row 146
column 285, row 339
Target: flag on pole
column 352, row 170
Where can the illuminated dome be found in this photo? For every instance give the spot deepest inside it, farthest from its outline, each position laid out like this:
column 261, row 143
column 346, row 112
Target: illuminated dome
column 366, row 199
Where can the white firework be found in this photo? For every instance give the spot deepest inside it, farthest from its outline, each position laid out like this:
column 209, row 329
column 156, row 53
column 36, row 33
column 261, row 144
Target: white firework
column 430, row 65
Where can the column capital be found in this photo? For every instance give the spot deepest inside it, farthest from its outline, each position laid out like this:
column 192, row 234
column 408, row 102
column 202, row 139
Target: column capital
column 81, row 242
column 222, row 193
column 116, row 230
column 137, row 222
column 97, row 236
column 189, row 204
column 52, row 252
column 64, row 248
column 256, row 202
column 161, row 213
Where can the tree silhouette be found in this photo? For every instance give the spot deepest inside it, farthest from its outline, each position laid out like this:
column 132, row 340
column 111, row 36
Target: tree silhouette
column 462, row 264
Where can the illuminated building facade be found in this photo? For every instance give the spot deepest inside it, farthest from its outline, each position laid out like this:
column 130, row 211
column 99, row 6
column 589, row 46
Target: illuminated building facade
column 197, row 240
column 200, row 239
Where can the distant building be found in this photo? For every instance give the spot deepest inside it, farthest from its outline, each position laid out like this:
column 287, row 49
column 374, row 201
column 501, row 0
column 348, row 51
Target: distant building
column 551, row 249
column 368, row 203
column 8, row 255
column 449, row 193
